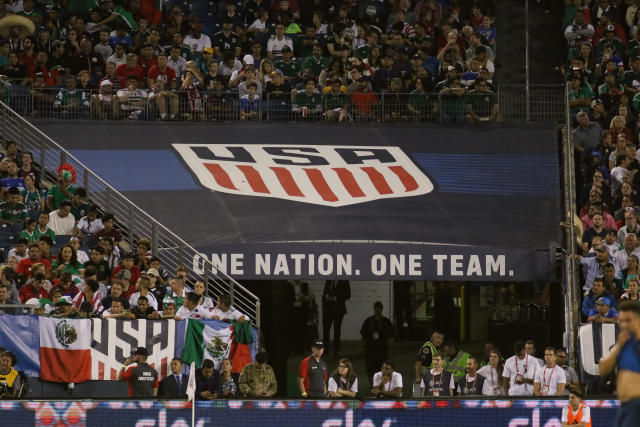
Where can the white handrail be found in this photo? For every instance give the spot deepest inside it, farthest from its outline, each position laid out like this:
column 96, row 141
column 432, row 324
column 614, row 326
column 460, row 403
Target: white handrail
column 238, row 289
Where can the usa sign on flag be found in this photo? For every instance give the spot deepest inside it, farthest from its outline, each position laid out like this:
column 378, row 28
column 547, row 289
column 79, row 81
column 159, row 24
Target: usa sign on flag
column 329, row 175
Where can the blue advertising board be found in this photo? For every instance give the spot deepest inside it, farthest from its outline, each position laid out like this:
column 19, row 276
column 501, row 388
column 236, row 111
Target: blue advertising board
column 480, row 413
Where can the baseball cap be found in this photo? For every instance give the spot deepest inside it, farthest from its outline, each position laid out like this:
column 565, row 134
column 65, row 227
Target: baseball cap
column 286, row 49
column 153, row 272
column 33, row 301
column 602, row 249
column 56, row 44
column 451, row 68
column 45, row 28
column 610, row 28
column 65, row 300
column 603, row 300
column 317, row 344
column 141, row 351
column 168, row 301
column 227, row 19
column 596, row 102
column 123, row 274
column 248, row 59
column 105, row 83
column 362, row 79
column 208, row 49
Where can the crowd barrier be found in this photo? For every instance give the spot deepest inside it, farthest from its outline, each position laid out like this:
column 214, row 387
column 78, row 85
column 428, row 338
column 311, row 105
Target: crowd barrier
column 450, row 413
column 507, row 103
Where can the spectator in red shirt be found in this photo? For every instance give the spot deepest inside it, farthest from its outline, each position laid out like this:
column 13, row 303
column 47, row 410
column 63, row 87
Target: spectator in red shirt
column 128, row 68
column 51, row 77
column 91, row 295
column 363, row 100
column 163, row 71
column 28, row 55
column 24, row 266
column 147, row 60
column 128, row 264
column 33, row 289
column 108, row 231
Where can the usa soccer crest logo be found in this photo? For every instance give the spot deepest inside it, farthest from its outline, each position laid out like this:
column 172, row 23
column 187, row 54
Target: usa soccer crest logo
column 329, row 175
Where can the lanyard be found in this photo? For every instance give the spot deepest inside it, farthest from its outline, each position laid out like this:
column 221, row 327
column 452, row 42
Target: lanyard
column 526, row 362
column 550, row 375
column 473, row 389
column 439, row 385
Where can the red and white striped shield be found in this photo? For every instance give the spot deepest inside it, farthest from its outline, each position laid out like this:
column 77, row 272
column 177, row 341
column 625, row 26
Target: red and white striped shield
column 329, row 175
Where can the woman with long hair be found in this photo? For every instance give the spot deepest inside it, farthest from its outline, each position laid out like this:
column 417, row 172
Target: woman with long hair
column 228, row 380
column 204, row 301
column 343, row 382
column 494, row 383
column 67, row 261
column 264, row 72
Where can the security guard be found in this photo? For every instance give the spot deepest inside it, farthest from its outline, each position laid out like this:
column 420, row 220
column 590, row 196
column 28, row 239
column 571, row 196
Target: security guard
column 427, row 351
column 457, row 360
column 9, row 378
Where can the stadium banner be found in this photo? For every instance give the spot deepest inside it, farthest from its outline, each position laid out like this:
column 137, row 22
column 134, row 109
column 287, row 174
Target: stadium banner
column 20, row 335
column 112, row 341
column 441, row 190
column 372, row 261
column 115, row 340
column 479, row 413
column 595, row 342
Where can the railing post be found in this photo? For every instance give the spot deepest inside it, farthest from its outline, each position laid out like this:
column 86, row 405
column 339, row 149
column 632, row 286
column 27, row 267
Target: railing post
column 258, row 314
column 63, row 157
column 526, row 60
column 154, row 239
column 85, row 180
column 130, row 224
column 108, row 199
column 180, row 252
column 268, row 106
column 43, row 159
column 232, row 289
column 4, row 123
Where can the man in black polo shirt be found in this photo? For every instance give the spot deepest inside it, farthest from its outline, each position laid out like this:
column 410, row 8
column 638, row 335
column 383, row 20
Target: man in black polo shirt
column 142, row 378
column 96, row 259
column 312, row 373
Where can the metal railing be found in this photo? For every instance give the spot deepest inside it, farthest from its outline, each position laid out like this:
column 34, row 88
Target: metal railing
column 572, row 291
column 135, row 223
column 509, row 103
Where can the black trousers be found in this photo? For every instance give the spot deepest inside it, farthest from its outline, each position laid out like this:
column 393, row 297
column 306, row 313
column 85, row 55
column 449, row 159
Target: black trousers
column 332, row 317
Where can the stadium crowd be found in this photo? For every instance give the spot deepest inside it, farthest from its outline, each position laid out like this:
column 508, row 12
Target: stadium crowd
column 361, row 60
column 603, row 74
column 68, row 259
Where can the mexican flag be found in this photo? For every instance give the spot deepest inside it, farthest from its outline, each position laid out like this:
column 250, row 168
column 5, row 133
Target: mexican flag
column 206, row 342
column 65, row 350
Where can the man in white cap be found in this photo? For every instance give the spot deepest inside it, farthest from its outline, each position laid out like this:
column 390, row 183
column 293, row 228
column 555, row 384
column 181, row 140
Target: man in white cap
column 105, row 102
column 236, row 76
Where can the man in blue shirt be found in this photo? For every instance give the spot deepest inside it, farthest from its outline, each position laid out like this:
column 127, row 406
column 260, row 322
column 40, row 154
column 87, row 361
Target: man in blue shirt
column 598, row 291
column 603, row 313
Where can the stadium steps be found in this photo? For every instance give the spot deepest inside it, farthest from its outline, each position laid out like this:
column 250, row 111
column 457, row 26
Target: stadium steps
column 546, row 44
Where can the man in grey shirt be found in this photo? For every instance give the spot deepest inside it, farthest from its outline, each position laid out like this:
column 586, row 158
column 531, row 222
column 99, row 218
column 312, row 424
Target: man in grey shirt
column 587, row 135
column 572, row 376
